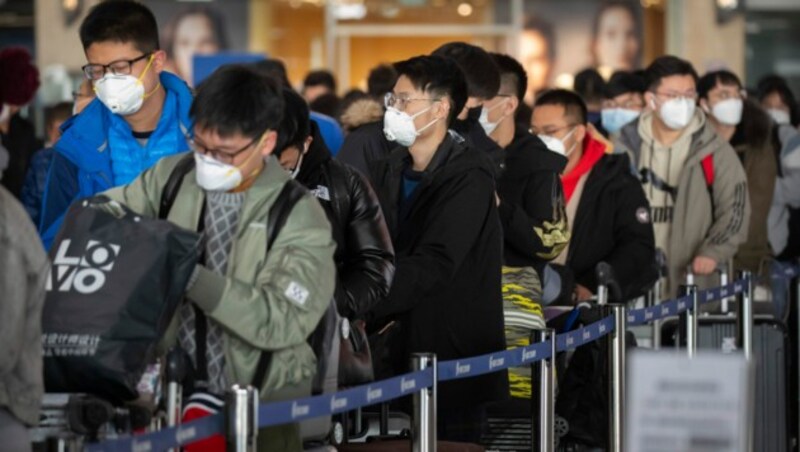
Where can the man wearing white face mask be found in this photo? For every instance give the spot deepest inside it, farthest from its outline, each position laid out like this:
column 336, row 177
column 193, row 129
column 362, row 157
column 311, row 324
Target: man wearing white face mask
column 695, row 183
column 250, row 294
column 437, row 195
column 140, row 113
column 608, row 214
column 748, row 129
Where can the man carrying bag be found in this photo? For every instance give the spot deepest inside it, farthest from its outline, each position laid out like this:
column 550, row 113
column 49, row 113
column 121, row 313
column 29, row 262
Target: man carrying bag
column 250, row 305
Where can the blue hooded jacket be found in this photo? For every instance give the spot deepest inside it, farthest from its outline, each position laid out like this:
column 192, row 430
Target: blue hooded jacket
column 83, row 164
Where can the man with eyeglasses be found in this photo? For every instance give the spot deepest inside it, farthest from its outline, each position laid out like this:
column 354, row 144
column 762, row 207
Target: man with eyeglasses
column 693, row 179
column 248, row 296
column 140, row 113
column 624, row 100
column 608, row 214
column 438, row 197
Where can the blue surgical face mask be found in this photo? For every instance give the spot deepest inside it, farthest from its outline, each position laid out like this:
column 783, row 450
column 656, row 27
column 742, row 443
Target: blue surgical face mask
column 614, row 119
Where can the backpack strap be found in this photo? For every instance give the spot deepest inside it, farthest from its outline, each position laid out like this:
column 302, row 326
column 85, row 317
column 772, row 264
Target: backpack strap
column 278, row 214
column 173, row 186
column 708, row 170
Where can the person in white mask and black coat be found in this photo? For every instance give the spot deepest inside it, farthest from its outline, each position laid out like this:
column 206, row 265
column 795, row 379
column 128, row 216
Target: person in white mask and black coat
column 438, row 195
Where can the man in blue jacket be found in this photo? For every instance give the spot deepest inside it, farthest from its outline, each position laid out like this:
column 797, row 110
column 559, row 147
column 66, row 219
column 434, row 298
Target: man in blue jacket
column 140, row 115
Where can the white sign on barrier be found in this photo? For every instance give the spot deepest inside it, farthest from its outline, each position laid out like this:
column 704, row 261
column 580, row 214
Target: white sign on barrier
column 678, row 404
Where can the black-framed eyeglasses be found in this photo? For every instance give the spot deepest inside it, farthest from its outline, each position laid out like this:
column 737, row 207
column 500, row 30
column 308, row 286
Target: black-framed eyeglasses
column 222, row 157
column 119, row 67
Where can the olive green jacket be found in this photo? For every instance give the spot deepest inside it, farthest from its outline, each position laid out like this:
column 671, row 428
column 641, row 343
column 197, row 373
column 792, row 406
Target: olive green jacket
column 266, row 301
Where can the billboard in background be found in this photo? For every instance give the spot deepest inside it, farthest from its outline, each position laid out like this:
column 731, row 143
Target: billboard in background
column 562, row 38
column 207, row 28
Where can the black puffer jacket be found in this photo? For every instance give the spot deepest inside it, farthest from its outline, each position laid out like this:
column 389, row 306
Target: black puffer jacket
column 364, row 254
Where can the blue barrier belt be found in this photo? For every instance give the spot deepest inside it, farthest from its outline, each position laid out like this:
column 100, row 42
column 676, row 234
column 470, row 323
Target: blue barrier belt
column 370, row 394
column 297, row 410
column 166, row 438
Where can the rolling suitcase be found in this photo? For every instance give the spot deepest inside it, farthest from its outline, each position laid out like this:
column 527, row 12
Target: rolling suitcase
column 772, row 352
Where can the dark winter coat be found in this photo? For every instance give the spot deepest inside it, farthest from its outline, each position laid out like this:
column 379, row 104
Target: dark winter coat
column 446, row 293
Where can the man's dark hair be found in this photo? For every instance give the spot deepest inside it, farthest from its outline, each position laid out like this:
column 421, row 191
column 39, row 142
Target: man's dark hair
column 776, row 84
column 236, row 98
column 480, row 71
column 295, row 126
column 589, row 84
column 211, row 14
column 320, row 77
column 512, row 75
column 710, row 80
column 327, row 104
column 58, row 112
column 667, row 66
column 274, row 69
column 381, row 80
column 121, row 21
column 437, row 76
column 574, row 106
column 623, row 82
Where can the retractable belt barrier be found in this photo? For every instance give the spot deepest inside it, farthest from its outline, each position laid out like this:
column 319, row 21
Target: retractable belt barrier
column 277, row 413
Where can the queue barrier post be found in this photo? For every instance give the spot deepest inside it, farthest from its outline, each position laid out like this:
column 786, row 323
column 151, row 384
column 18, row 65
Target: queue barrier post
column 543, row 398
column 423, row 433
column 744, row 316
column 688, row 320
column 616, row 377
column 241, row 419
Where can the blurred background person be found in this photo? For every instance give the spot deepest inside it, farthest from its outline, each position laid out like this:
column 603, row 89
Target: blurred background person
column 19, row 80
column 318, row 83
column 589, row 84
column 615, row 42
column 36, row 177
column 624, row 100
column 748, row 129
column 198, row 30
column 537, row 53
column 778, row 100
column 381, row 80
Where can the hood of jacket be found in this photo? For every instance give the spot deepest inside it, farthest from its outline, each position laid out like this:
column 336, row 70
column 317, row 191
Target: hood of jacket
column 360, row 112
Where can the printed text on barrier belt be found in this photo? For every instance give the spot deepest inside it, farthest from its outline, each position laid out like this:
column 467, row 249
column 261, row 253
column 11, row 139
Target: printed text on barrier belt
column 786, row 272
column 671, row 308
column 166, row 438
column 494, row 362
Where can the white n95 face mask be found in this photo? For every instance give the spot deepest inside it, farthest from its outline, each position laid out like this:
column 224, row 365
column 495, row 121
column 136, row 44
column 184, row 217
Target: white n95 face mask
column 487, row 125
column 398, row 126
column 780, row 117
column 677, row 113
column 728, row 111
column 213, row 175
column 123, row 94
column 557, row 145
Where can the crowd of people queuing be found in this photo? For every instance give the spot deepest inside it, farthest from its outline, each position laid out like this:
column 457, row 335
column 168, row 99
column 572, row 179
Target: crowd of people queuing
column 442, row 210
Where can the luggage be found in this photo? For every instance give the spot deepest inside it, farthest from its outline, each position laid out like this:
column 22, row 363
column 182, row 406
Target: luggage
column 772, row 352
column 116, row 282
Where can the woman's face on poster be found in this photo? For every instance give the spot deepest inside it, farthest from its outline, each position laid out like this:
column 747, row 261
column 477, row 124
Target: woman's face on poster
column 536, row 59
column 194, row 35
column 616, row 43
